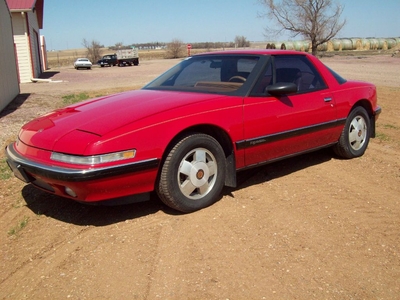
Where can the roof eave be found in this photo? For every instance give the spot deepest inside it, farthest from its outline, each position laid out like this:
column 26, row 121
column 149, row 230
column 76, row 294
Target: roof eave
column 37, row 5
column 21, row 10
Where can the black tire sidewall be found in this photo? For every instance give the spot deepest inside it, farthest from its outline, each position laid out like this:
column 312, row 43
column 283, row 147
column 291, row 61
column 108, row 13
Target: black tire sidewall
column 182, row 148
column 357, row 112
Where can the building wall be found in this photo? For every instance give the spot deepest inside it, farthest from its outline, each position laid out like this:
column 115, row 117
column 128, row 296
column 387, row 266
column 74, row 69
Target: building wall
column 22, row 46
column 26, row 38
column 35, row 44
column 9, row 86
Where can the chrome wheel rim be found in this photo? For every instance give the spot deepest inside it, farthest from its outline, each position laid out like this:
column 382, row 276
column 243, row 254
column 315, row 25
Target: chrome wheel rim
column 358, row 131
column 197, row 173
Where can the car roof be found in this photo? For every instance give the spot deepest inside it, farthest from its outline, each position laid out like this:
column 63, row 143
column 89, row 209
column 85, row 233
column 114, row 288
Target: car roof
column 255, row 52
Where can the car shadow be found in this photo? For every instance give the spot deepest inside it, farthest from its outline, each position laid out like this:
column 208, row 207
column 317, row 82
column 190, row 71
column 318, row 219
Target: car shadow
column 279, row 169
column 69, row 211
column 14, row 104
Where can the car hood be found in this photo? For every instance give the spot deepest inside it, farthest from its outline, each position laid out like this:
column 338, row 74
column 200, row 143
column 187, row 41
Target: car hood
column 85, row 122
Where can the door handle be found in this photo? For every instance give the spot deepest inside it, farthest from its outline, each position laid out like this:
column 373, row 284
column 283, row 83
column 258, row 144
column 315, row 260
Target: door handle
column 328, row 99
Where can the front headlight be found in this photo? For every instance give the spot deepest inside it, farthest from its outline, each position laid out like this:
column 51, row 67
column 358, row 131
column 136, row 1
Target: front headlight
column 94, row 159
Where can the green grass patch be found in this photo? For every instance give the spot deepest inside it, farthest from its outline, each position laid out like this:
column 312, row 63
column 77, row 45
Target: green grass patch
column 75, row 98
column 382, row 137
column 21, row 225
column 390, row 126
column 5, row 172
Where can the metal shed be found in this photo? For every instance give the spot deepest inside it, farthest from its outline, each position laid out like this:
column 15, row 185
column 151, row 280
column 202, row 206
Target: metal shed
column 9, row 86
column 27, row 20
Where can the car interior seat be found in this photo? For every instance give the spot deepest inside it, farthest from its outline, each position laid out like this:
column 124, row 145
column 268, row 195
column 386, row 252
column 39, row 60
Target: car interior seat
column 292, row 75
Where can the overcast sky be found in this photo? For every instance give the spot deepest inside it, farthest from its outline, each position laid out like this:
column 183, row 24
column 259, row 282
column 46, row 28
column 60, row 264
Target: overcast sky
column 66, row 23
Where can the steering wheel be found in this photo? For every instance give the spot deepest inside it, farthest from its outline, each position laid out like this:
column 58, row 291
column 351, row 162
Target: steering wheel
column 239, row 79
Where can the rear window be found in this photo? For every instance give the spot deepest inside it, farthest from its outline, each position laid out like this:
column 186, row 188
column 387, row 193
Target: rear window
column 339, row 78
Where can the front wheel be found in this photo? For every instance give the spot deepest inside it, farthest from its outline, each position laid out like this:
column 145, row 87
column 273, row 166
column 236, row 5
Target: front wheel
column 193, row 173
column 355, row 135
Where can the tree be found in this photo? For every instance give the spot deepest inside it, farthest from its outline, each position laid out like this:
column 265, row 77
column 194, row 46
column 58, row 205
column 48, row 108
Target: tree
column 93, row 50
column 118, row 45
column 175, row 49
column 241, row 41
column 317, row 20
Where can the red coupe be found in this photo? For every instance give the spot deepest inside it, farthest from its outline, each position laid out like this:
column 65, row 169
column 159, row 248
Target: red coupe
column 187, row 133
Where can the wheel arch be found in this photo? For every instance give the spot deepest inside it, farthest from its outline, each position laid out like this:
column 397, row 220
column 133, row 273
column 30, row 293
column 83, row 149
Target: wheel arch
column 366, row 104
column 368, row 107
column 221, row 136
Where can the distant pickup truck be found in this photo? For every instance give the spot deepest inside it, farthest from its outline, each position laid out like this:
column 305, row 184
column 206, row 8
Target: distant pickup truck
column 125, row 57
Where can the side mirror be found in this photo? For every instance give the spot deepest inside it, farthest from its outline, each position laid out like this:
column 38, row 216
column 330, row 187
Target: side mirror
column 281, row 88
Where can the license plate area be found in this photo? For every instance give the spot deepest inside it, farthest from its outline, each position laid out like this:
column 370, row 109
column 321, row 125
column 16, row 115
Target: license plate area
column 19, row 172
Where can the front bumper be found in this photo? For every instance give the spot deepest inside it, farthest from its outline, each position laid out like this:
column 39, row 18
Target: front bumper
column 90, row 184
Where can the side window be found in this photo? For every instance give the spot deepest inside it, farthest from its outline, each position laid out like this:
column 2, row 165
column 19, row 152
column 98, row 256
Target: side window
column 290, row 68
column 298, row 69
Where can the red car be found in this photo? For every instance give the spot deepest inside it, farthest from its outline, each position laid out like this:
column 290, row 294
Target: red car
column 187, row 133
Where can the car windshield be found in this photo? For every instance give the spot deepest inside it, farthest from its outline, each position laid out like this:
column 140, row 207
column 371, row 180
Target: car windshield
column 208, row 73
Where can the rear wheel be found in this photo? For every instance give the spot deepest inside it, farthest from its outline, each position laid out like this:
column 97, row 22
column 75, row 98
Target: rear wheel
column 355, row 135
column 193, row 173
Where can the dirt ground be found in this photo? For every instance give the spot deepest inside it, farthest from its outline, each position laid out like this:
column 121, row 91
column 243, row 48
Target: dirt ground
column 312, row 227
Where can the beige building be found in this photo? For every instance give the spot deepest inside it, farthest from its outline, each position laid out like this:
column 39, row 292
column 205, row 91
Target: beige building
column 27, row 20
column 9, row 86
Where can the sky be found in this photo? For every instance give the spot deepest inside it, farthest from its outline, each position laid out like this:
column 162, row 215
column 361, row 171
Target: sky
column 67, row 22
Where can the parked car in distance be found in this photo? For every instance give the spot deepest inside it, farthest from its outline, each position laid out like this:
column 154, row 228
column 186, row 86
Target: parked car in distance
column 187, row 133
column 82, row 63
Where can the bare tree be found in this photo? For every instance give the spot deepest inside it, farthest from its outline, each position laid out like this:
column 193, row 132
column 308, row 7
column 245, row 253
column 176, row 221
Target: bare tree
column 317, row 20
column 119, row 45
column 241, row 41
column 93, row 50
column 175, row 49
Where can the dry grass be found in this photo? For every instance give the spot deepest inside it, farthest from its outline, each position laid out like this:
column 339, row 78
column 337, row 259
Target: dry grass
column 67, row 57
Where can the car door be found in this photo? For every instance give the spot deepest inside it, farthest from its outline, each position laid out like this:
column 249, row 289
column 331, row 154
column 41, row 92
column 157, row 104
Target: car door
column 280, row 126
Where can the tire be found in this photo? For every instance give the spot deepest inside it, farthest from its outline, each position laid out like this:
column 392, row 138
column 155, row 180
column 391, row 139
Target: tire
column 355, row 136
column 193, row 173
